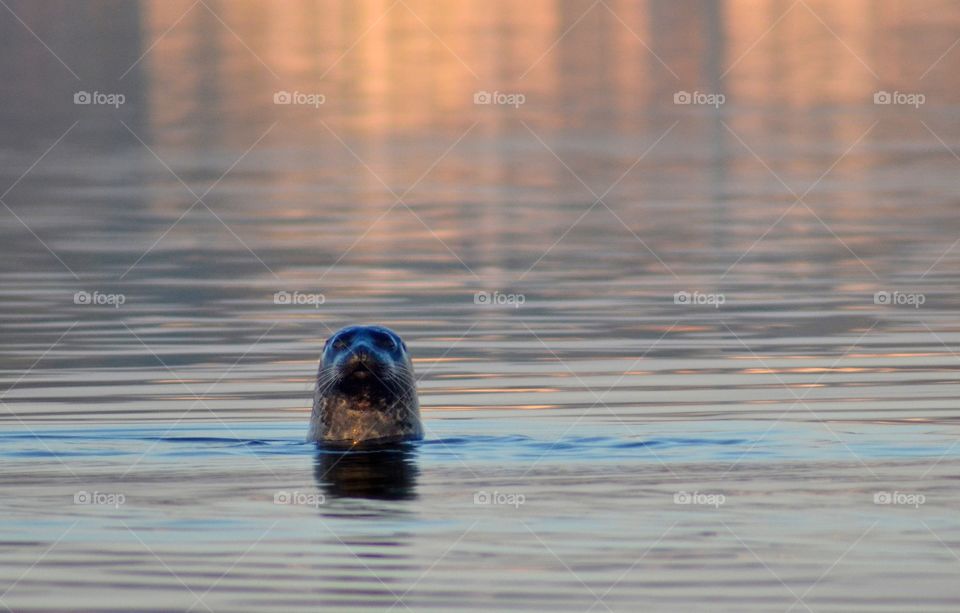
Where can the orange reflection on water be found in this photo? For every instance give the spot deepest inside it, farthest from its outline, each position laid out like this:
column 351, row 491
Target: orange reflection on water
column 511, row 390
column 466, row 408
column 793, row 371
column 388, row 66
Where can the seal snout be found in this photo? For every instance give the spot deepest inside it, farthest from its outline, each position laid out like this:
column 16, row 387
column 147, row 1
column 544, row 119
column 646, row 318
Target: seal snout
column 361, row 364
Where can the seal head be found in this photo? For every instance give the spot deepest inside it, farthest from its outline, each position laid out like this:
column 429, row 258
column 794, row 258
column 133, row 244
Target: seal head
column 365, row 393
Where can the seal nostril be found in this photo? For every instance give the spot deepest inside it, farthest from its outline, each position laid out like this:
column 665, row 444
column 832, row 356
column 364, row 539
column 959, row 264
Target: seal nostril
column 359, row 361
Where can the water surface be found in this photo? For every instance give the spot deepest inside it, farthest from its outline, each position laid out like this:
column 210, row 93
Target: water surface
column 718, row 364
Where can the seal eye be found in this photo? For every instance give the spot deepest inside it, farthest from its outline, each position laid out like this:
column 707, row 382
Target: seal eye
column 385, row 341
column 339, row 345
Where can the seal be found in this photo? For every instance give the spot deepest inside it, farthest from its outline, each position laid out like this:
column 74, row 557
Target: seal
column 366, row 393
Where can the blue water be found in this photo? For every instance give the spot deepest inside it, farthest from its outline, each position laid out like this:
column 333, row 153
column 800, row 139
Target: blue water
column 476, row 442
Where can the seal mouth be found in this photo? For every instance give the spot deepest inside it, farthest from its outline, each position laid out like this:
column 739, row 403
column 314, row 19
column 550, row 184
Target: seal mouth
column 360, row 372
column 366, row 387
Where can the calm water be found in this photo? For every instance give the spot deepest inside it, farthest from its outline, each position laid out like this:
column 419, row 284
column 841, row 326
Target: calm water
column 677, row 390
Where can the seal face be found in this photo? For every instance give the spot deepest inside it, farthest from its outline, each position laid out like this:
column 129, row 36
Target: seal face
column 365, row 393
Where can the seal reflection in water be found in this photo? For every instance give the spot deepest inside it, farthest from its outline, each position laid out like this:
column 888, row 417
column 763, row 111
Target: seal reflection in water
column 383, row 474
column 366, row 394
